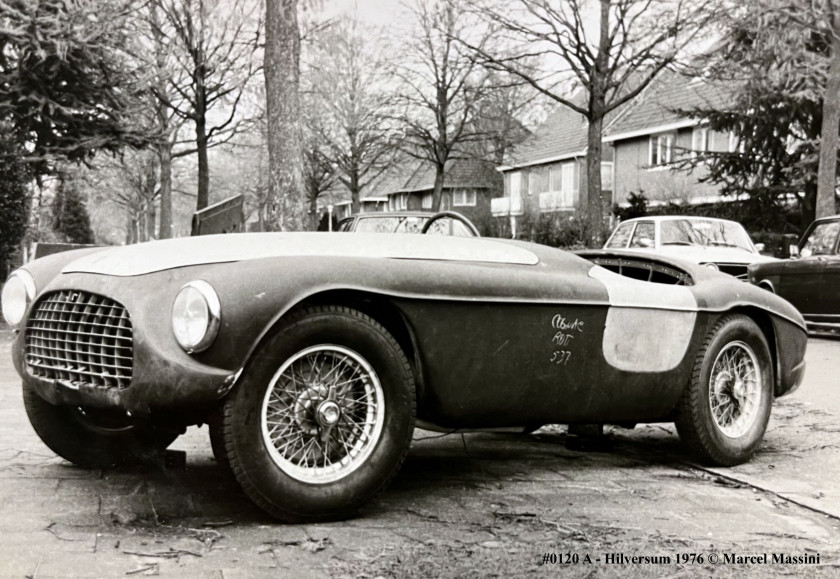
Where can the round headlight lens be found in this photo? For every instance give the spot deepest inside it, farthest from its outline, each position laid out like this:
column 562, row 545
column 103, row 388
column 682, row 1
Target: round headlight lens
column 18, row 293
column 196, row 316
column 712, row 266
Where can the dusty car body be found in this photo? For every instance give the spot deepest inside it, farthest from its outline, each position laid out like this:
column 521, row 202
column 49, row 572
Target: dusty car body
column 312, row 356
column 810, row 280
column 718, row 243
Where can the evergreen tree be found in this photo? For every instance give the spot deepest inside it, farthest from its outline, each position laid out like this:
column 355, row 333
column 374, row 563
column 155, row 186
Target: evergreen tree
column 774, row 70
column 70, row 216
column 14, row 200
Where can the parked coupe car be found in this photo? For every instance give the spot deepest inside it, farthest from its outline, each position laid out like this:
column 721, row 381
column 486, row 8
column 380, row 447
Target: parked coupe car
column 313, row 355
column 717, row 243
column 444, row 223
column 810, row 280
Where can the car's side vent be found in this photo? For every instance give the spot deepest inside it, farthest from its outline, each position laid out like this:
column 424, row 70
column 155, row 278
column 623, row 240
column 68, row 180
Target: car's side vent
column 80, row 338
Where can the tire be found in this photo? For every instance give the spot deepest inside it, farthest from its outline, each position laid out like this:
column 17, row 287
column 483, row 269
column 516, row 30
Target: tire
column 215, row 426
column 92, row 438
column 339, row 393
column 725, row 409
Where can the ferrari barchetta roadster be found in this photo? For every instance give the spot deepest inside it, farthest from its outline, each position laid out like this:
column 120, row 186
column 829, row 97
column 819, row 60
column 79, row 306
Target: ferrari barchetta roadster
column 312, row 356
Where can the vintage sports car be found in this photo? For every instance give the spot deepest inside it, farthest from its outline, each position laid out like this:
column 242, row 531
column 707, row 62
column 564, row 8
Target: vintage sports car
column 810, row 280
column 716, row 243
column 313, row 355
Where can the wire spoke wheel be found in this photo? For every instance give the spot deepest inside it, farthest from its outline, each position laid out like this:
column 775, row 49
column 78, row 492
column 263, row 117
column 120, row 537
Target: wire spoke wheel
column 725, row 408
column 735, row 389
column 322, row 414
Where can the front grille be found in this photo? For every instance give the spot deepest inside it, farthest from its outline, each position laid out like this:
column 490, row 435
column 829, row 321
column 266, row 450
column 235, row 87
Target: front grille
column 739, row 270
column 81, row 338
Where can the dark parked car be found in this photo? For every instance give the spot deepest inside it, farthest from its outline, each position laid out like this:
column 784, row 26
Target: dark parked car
column 443, row 223
column 810, row 280
column 313, row 355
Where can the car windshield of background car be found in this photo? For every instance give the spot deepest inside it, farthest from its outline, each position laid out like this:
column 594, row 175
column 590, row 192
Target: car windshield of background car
column 644, row 235
column 390, row 224
column 822, row 239
column 704, row 232
column 448, row 226
column 621, row 235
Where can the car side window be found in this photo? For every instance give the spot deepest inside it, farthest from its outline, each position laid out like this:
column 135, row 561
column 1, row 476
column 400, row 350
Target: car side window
column 822, row 240
column 621, row 235
column 345, row 225
column 644, row 235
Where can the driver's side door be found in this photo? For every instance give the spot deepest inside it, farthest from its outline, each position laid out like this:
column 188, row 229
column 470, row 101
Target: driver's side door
column 803, row 283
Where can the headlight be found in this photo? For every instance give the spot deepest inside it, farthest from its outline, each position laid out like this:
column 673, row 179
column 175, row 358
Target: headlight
column 712, row 266
column 196, row 316
column 18, row 294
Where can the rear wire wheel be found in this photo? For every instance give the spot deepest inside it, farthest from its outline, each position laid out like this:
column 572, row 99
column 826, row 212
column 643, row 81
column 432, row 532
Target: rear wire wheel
column 725, row 409
column 323, row 416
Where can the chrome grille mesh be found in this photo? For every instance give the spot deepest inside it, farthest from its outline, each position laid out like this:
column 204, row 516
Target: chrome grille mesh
column 80, row 338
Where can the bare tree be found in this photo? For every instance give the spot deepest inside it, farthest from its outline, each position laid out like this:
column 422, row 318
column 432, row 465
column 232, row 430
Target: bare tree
column 214, row 60
column 348, row 107
column 609, row 50
column 442, row 85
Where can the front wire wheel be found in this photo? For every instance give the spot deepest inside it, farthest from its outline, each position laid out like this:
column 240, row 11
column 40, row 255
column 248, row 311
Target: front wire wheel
column 322, row 414
column 725, row 409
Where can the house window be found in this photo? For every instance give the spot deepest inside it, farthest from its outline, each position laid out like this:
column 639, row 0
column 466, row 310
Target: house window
column 606, row 176
column 555, row 178
column 699, row 141
column 463, row 198
column 661, row 147
column 398, row 202
column 735, row 143
column 515, row 184
column 426, row 201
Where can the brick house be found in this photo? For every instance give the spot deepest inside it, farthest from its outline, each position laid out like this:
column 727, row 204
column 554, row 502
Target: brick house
column 643, row 143
column 468, row 186
column 546, row 173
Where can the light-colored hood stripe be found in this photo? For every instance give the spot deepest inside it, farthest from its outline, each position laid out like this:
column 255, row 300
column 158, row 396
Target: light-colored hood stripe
column 155, row 256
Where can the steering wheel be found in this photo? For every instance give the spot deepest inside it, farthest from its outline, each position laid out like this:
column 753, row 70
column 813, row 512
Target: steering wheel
column 451, row 215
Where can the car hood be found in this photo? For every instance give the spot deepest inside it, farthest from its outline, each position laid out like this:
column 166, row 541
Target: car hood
column 710, row 254
column 156, row 256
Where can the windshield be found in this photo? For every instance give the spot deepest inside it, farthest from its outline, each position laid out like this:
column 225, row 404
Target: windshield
column 704, row 232
column 390, row 224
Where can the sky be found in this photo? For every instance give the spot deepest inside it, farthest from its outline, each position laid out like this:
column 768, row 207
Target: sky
column 377, row 12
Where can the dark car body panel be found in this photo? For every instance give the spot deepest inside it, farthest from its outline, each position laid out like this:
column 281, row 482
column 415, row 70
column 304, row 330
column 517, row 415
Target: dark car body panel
column 810, row 282
column 500, row 340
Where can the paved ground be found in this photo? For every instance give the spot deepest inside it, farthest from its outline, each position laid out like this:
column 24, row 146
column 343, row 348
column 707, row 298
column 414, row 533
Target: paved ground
column 472, row 505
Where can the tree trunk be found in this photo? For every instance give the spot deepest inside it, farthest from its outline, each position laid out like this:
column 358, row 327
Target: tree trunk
column 827, row 176
column 313, row 213
column 355, row 191
column 165, row 180
column 203, row 164
column 437, row 192
column 594, row 201
column 286, row 197
column 597, row 112
column 164, row 147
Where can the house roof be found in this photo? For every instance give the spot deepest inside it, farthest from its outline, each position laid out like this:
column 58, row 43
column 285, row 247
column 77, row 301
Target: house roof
column 412, row 175
column 561, row 136
column 657, row 107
